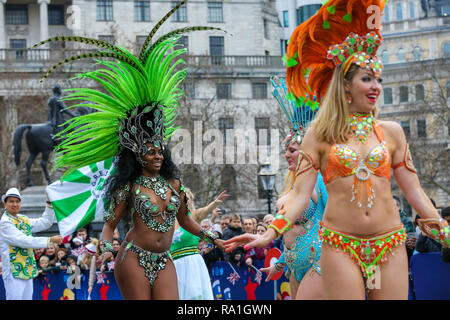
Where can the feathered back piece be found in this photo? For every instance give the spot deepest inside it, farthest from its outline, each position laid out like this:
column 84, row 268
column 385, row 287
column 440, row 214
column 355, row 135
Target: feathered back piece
column 299, row 116
column 137, row 104
column 342, row 31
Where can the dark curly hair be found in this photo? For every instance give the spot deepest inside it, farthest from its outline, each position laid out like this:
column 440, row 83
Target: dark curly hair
column 128, row 169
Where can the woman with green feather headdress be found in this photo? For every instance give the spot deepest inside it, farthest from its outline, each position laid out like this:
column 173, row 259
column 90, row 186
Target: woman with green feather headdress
column 136, row 112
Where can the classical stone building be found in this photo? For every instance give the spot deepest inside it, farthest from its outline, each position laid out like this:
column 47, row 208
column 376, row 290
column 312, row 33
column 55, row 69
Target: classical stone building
column 416, row 87
column 228, row 87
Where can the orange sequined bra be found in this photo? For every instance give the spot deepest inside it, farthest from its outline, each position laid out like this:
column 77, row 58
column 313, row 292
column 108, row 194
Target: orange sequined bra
column 344, row 161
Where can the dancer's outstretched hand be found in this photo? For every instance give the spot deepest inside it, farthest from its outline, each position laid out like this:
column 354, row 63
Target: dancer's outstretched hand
column 249, row 240
column 219, row 243
column 271, row 271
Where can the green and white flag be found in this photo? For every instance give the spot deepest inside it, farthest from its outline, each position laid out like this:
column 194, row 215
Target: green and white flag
column 79, row 199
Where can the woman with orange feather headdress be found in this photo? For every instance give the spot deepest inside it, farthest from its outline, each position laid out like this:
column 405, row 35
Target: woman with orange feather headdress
column 331, row 64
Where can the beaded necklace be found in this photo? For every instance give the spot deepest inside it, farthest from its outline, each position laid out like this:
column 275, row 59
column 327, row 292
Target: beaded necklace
column 158, row 184
column 361, row 125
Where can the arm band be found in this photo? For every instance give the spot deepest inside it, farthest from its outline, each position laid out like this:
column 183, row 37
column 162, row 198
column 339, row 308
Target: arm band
column 106, row 246
column 310, row 163
column 280, row 223
column 440, row 231
column 407, row 161
column 207, row 235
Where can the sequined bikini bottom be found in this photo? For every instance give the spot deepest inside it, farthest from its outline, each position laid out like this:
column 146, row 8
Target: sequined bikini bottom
column 152, row 262
column 368, row 253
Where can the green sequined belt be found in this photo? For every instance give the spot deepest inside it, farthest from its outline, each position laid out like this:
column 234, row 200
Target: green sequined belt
column 152, row 262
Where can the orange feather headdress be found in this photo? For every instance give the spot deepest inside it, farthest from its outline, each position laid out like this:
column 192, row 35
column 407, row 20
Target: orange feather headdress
column 341, row 32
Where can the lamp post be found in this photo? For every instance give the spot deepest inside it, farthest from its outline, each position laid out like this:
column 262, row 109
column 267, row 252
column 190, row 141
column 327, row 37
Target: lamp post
column 267, row 176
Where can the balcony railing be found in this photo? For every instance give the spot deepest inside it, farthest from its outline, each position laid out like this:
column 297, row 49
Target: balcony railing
column 11, row 59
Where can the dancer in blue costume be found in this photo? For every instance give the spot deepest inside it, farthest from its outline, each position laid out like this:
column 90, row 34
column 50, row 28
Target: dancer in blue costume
column 194, row 282
column 302, row 247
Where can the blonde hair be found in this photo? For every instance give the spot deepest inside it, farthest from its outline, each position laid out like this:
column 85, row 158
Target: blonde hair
column 288, row 183
column 331, row 122
column 191, row 197
column 86, row 260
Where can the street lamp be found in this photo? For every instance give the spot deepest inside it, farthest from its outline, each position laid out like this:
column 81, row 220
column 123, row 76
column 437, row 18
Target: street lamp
column 267, row 176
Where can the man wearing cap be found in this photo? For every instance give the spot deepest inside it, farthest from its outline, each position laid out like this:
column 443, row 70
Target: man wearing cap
column 17, row 244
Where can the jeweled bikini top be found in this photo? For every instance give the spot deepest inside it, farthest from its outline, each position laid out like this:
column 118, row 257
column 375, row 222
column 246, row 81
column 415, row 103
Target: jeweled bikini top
column 343, row 161
column 149, row 210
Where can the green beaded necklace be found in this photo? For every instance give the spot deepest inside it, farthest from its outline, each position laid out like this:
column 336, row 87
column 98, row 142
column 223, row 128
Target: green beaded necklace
column 361, row 125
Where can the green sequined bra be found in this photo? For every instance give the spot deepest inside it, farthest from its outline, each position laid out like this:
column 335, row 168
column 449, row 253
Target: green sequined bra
column 149, row 210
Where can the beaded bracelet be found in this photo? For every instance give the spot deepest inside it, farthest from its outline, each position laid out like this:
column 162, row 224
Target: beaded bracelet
column 106, row 246
column 207, row 235
column 441, row 232
column 280, row 223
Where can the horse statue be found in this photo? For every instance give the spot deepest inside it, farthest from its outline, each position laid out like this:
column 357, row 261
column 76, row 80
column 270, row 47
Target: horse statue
column 40, row 136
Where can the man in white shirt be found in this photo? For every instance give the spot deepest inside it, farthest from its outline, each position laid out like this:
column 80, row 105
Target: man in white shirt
column 17, row 244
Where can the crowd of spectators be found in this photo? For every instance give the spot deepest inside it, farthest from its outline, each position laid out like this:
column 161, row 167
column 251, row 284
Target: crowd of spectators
column 229, row 226
column 82, row 252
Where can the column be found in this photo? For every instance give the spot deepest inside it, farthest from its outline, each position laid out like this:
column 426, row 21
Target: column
column 2, row 24
column 43, row 15
column 9, row 124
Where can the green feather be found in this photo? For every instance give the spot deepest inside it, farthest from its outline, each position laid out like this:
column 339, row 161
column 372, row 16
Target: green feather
column 155, row 28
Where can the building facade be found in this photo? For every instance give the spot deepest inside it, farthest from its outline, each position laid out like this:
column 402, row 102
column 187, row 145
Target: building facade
column 416, row 80
column 228, row 88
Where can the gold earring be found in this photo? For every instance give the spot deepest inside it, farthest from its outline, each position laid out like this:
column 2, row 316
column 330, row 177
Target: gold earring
column 349, row 98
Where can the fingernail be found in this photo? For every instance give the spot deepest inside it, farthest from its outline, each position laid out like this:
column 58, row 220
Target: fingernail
column 245, row 247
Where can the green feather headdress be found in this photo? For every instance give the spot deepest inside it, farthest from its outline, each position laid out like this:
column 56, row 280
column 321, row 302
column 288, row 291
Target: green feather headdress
column 148, row 83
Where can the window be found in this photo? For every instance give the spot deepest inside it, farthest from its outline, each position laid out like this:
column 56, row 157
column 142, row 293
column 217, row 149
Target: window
column 107, row 38
column 285, row 19
column 181, row 14
column 411, row 10
column 55, row 14
column 216, row 46
column 16, row 14
column 141, row 11
column 189, row 89
column 18, row 44
column 184, row 41
column 306, row 12
column 406, row 125
column 385, row 14
column 215, row 12
column 446, row 49
column 266, row 29
column 259, row 90
column 262, row 127
column 385, row 57
column 224, row 125
column 448, row 90
column 223, row 91
column 399, row 11
column 417, row 53
column 283, row 47
column 421, row 128
column 420, row 93
column 401, row 55
column 404, row 94
column 442, row 8
column 387, row 93
column 104, row 10
column 216, row 49
column 228, row 180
